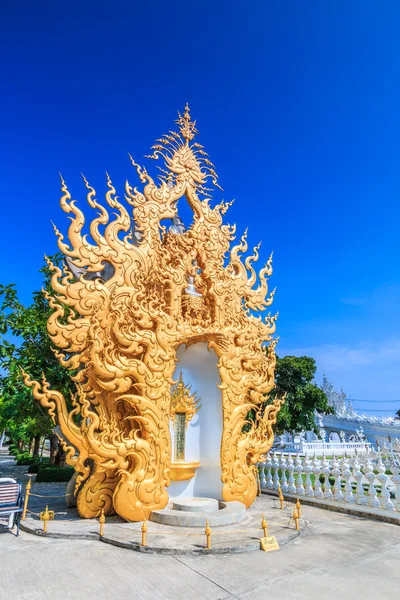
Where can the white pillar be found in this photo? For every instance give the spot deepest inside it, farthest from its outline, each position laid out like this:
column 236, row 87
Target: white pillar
column 326, row 470
column 299, row 481
column 370, row 476
column 283, row 467
column 308, row 470
column 291, row 486
column 385, row 500
column 338, row 495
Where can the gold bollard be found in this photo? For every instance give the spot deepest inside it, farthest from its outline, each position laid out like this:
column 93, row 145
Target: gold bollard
column 281, row 498
column 27, row 492
column 264, row 525
column 208, row 535
column 102, row 520
column 45, row 516
column 144, row 529
column 298, row 507
column 296, row 519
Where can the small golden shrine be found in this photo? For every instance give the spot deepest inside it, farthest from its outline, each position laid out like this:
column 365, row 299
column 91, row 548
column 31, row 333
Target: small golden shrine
column 131, row 293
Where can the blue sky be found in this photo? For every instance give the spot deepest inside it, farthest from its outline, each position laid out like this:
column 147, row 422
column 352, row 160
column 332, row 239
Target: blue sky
column 297, row 104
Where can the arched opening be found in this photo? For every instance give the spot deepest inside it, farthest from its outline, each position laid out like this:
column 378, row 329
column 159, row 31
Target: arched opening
column 202, row 436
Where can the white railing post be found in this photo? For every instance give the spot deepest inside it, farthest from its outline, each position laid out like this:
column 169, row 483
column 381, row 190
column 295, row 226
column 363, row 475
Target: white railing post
column 326, row 470
column 337, row 487
column 283, row 466
column 275, row 466
column 396, row 480
column 263, row 481
column 370, row 476
column 317, row 473
column 385, row 500
column 357, row 474
column 346, row 474
column 290, row 468
column 268, row 467
column 308, row 470
column 299, row 481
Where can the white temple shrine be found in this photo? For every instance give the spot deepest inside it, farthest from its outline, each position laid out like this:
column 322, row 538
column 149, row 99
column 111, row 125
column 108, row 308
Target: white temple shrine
column 345, row 431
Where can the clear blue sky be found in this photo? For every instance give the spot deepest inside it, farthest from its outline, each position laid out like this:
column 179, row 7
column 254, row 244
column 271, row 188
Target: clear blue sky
column 298, row 105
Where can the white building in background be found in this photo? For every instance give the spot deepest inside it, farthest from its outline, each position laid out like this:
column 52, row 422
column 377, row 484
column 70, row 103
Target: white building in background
column 346, row 430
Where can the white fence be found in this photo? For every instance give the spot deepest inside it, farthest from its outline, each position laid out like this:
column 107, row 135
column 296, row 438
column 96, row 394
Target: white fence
column 354, row 481
column 334, row 448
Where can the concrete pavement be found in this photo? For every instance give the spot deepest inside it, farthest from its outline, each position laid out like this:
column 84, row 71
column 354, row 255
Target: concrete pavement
column 338, row 556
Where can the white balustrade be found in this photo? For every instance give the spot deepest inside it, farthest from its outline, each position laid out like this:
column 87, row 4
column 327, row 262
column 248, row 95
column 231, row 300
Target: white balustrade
column 349, row 477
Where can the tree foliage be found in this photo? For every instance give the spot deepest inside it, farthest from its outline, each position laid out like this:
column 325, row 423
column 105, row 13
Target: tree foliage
column 294, row 376
column 24, row 343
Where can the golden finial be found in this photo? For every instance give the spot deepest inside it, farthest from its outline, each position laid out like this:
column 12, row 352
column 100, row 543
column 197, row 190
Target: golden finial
column 102, row 520
column 207, row 531
column 183, row 401
column 281, row 499
column 298, row 507
column 264, row 525
column 187, row 127
column 144, row 530
column 296, row 518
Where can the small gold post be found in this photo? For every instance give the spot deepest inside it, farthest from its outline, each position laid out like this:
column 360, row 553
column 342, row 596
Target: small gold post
column 27, row 492
column 264, row 525
column 296, row 519
column 102, row 520
column 45, row 518
column 144, row 529
column 281, row 498
column 298, row 507
column 208, row 535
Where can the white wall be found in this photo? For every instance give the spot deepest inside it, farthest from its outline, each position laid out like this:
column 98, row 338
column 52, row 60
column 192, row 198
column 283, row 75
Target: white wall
column 203, row 435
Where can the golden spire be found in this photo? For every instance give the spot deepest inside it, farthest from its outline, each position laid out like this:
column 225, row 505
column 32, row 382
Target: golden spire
column 187, row 127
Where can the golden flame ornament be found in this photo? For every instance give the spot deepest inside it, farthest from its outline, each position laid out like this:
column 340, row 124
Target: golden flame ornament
column 130, row 294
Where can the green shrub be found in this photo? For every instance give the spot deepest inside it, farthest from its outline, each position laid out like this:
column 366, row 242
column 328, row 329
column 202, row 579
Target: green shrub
column 25, row 459
column 36, row 466
column 54, row 474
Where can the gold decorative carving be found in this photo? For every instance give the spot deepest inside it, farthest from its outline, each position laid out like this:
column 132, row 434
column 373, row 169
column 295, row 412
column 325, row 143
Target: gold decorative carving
column 121, row 310
column 183, row 401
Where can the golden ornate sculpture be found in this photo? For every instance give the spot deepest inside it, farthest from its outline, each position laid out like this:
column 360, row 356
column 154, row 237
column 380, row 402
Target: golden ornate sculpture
column 130, row 294
column 183, row 401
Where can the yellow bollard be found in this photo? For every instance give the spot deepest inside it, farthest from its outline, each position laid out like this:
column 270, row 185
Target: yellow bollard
column 208, row 535
column 144, row 529
column 45, row 516
column 102, row 520
column 264, row 525
column 298, row 507
column 27, row 492
column 281, row 498
column 296, row 519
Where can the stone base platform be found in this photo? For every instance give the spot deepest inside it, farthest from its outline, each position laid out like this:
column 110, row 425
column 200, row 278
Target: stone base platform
column 195, row 512
column 166, row 539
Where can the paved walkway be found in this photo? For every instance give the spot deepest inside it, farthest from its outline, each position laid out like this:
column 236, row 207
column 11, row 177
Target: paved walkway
column 337, row 556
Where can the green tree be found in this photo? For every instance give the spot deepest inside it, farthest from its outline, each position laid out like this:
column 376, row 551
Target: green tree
column 294, row 376
column 24, row 343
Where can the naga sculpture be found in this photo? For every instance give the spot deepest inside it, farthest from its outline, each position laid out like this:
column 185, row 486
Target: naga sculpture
column 121, row 311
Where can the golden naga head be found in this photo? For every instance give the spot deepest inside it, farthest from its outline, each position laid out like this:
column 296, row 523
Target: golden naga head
column 130, row 294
